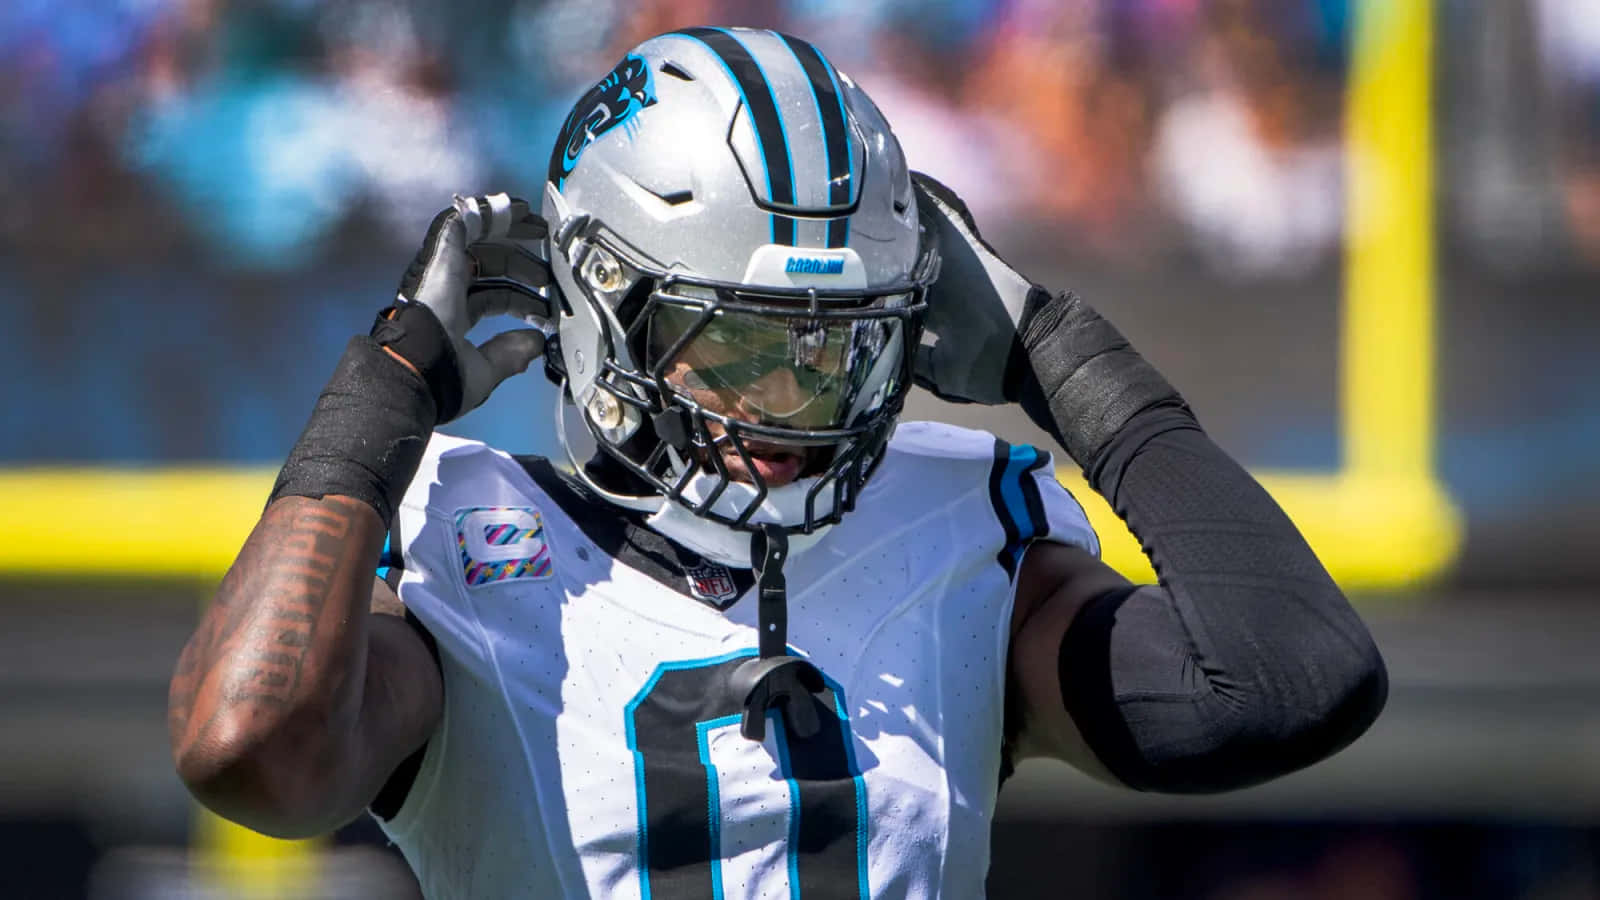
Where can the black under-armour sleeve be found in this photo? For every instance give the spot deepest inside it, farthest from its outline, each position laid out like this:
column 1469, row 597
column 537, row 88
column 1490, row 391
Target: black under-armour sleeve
column 1246, row 662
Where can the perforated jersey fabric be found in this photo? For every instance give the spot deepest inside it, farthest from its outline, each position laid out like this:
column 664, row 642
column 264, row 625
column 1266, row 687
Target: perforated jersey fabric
column 590, row 747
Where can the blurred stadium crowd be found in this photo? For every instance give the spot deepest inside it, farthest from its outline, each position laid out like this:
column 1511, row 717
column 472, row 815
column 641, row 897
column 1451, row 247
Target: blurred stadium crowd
column 264, row 128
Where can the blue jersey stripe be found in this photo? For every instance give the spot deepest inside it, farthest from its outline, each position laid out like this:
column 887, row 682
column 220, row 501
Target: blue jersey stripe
column 386, row 557
column 1016, row 499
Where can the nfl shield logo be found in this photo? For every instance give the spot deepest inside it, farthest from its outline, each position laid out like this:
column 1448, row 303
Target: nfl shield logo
column 713, row 584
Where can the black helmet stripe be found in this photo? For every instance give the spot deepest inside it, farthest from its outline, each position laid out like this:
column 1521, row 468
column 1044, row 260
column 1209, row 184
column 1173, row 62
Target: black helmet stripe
column 830, row 109
column 763, row 106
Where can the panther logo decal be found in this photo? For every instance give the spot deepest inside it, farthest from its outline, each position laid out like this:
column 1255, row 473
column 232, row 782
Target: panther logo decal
column 616, row 100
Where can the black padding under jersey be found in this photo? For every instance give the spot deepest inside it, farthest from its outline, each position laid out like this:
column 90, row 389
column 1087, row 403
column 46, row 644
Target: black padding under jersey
column 1245, row 663
column 622, row 534
column 393, row 794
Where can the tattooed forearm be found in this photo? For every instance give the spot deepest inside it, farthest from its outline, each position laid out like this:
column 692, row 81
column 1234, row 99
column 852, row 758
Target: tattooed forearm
column 286, row 633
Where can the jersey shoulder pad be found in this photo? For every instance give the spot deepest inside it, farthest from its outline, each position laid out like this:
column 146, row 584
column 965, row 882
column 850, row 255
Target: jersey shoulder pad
column 457, row 471
column 1022, row 491
column 471, row 519
column 938, row 440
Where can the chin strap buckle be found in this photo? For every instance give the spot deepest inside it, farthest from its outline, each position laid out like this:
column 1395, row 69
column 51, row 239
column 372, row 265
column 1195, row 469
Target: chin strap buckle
column 775, row 679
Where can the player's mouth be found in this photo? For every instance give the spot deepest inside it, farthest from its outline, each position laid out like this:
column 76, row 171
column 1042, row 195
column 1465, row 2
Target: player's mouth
column 777, row 466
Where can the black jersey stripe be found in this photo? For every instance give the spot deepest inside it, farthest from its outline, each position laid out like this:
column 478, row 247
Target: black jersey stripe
column 763, row 106
column 1015, row 496
column 835, row 138
column 997, row 474
column 1037, row 523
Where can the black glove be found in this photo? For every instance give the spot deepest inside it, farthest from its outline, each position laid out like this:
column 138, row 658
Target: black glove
column 974, row 308
column 1001, row 338
column 483, row 256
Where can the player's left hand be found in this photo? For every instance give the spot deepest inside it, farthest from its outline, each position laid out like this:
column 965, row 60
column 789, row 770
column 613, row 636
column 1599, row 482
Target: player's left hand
column 974, row 308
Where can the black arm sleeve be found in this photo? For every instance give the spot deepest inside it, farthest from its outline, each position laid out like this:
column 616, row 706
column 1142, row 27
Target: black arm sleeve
column 1246, row 662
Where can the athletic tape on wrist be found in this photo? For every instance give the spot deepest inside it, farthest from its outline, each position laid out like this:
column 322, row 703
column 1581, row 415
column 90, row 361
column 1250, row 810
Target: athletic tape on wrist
column 1088, row 381
column 366, row 435
column 414, row 332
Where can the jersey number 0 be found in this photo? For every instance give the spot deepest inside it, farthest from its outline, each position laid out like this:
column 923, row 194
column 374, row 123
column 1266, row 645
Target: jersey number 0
column 680, row 823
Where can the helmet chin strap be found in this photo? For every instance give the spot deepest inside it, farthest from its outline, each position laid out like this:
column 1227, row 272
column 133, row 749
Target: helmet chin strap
column 775, row 680
column 784, row 505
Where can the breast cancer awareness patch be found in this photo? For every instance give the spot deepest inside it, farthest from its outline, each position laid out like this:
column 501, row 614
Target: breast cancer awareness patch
column 502, row 543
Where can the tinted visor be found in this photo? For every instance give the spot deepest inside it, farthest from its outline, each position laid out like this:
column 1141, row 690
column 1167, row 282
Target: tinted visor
column 774, row 367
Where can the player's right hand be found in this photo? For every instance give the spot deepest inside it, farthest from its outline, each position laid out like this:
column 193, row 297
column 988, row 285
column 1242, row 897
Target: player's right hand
column 481, row 258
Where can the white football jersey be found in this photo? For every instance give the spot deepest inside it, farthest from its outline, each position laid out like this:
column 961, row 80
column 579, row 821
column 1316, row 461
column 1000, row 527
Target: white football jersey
column 590, row 744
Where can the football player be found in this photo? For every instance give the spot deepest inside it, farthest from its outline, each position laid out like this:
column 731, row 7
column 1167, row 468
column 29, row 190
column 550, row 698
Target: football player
column 751, row 639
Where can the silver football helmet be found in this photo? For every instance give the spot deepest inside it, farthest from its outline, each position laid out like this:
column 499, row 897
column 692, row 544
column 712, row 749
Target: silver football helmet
column 741, row 274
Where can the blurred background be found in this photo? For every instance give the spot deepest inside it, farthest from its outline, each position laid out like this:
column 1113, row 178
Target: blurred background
column 1363, row 236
